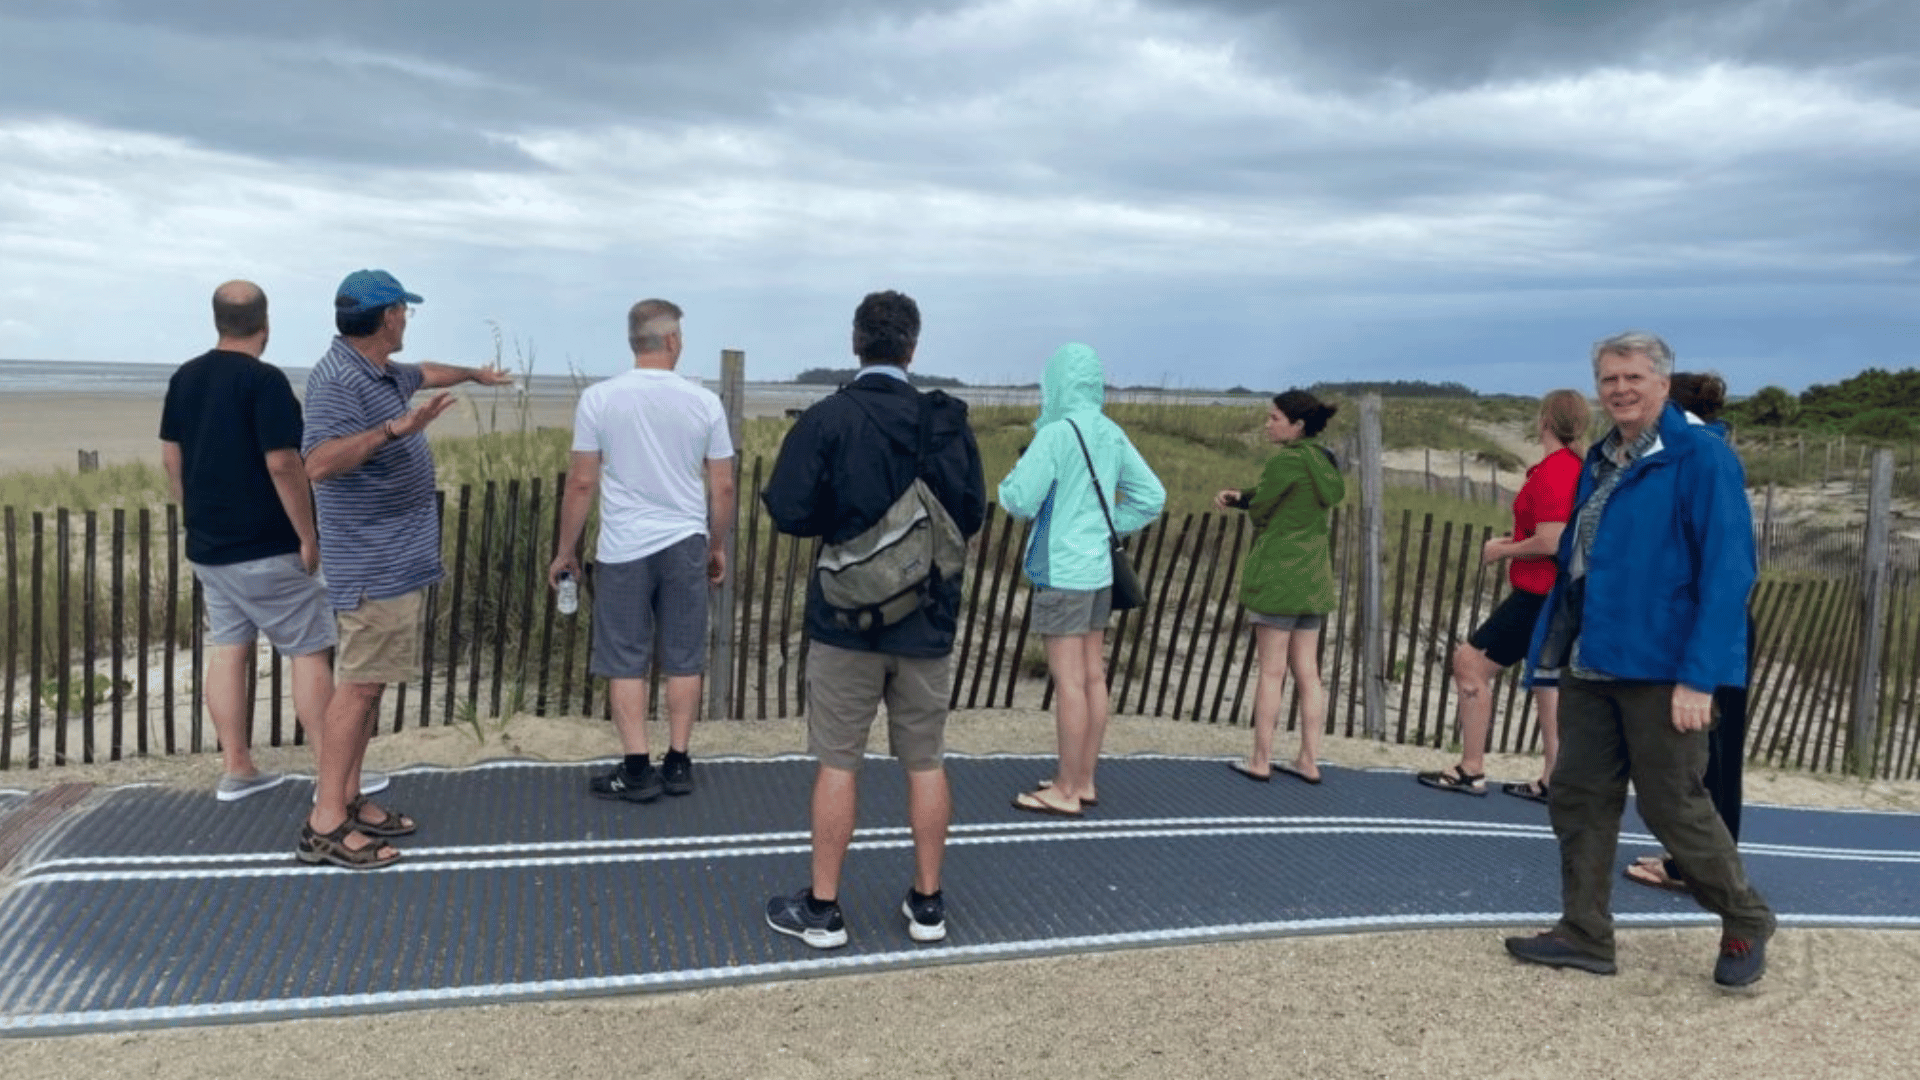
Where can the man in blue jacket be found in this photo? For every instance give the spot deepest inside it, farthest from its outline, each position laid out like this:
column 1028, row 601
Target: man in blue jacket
column 1648, row 617
column 846, row 461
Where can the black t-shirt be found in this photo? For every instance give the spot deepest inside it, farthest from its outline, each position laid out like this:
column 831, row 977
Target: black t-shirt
column 227, row 410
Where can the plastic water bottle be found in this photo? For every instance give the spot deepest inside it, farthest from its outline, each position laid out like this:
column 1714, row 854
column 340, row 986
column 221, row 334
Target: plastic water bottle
column 567, row 597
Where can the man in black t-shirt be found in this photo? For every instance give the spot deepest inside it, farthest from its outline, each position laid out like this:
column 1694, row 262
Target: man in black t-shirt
column 230, row 440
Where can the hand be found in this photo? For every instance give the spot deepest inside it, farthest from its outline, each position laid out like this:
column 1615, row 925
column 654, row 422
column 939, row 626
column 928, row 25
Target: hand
column 716, row 566
column 416, row 419
column 310, row 557
column 1226, row 499
column 1490, row 551
column 1692, row 710
column 562, row 564
column 492, row 376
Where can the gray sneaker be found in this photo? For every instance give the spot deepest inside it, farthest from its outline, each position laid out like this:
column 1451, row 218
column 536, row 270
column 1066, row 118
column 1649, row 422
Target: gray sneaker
column 370, row 782
column 235, row 788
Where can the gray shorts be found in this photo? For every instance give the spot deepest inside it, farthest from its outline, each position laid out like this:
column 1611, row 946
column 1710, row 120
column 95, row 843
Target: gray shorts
column 663, row 595
column 274, row 596
column 1070, row 612
column 844, row 690
column 1287, row 622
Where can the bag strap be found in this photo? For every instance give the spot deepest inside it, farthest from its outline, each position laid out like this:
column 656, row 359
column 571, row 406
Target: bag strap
column 925, row 443
column 1098, row 493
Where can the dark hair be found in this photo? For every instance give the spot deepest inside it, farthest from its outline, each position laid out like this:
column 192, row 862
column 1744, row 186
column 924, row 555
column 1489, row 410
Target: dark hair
column 1312, row 413
column 239, row 310
column 1701, row 393
column 886, row 326
column 358, row 324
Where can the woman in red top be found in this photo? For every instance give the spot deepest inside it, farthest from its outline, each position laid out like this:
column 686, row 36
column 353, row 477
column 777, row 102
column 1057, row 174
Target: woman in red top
column 1540, row 513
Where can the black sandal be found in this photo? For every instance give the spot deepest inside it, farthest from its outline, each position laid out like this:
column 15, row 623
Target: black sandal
column 331, row 847
column 1532, row 791
column 394, row 824
column 1454, row 778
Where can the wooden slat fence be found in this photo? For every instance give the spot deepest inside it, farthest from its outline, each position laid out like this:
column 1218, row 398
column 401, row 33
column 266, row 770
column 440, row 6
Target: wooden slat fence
column 103, row 653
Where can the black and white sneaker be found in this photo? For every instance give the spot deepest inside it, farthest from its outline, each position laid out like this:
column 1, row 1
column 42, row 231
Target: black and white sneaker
column 616, row 784
column 794, row 916
column 676, row 773
column 926, row 916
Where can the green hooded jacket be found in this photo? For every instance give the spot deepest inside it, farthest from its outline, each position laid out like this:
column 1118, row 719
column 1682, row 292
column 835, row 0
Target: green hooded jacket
column 1290, row 569
column 1069, row 548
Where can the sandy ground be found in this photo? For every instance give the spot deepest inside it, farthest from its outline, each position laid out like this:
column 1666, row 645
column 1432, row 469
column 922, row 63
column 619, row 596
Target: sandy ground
column 1416, row 1004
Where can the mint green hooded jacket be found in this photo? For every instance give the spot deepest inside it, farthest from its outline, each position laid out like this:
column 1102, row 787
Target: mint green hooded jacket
column 1069, row 548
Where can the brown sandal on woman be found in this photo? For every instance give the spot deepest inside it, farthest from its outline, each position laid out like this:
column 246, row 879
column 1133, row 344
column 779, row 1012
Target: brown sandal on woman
column 393, row 824
column 1652, row 871
column 331, row 847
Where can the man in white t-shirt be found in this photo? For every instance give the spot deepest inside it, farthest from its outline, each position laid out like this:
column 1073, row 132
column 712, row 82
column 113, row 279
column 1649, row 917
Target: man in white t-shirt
column 655, row 446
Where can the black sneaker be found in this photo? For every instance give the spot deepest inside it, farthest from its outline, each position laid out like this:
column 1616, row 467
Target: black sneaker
column 1742, row 961
column 616, row 784
column 926, row 916
column 677, row 774
column 791, row 916
column 1555, row 951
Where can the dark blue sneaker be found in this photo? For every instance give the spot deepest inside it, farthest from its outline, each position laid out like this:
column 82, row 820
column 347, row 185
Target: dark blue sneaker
column 1742, row 961
column 926, row 916
column 618, row 785
column 1555, row 951
column 792, row 916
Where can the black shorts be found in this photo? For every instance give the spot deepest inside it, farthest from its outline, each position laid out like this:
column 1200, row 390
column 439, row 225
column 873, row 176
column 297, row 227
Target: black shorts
column 1505, row 635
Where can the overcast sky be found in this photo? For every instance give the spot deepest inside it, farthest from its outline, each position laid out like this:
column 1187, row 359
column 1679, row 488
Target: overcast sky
column 1209, row 192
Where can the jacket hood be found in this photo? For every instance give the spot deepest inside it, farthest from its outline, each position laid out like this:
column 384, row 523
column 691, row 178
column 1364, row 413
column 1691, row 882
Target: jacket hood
column 894, row 407
column 1323, row 472
column 1074, row 382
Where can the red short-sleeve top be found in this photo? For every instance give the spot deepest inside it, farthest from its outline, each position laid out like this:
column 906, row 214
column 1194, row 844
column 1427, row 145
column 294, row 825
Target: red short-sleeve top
column 1545, row 498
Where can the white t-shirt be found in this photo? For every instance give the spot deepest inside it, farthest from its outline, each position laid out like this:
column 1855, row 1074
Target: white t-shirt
column 655, row 431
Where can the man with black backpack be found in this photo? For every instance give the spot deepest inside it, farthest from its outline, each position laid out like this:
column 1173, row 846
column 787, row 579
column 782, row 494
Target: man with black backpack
column 890, row 480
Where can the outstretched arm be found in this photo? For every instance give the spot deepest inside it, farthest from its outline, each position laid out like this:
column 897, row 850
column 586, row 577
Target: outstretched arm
column 440, row 376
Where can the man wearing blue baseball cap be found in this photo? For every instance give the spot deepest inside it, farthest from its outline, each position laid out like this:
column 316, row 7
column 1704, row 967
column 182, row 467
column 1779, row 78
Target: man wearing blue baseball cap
column 373, row 478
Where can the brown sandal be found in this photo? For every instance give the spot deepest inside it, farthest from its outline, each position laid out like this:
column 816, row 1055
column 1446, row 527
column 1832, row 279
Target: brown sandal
column 331, row 847
column 394, row 824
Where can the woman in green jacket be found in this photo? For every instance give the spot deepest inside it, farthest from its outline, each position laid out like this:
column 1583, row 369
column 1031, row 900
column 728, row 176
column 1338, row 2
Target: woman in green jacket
column 1077, row 457
column 1287, row 584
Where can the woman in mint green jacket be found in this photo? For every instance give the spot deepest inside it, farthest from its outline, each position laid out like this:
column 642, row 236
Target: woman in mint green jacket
column 1287, row 583
column 1069, row 558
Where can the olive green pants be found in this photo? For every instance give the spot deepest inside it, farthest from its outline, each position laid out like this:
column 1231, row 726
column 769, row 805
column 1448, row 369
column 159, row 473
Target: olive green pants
column 1612, row 732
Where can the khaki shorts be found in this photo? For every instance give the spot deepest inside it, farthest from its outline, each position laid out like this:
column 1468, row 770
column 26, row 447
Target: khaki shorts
column 844, row 691
column 380, row 640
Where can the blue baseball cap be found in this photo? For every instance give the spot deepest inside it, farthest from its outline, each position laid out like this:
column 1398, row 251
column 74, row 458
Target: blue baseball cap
column 370, row 290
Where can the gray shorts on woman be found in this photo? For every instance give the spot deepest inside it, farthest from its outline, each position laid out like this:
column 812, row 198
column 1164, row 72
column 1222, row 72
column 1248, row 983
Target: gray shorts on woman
column 1070, row 612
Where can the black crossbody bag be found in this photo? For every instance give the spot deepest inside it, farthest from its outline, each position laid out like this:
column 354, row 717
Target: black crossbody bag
column 1127, row 593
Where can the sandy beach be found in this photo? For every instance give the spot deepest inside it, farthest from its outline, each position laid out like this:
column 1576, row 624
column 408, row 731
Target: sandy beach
column 1415, row 1004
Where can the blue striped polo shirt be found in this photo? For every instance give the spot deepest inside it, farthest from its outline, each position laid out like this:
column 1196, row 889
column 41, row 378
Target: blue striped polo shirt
column 379, row 524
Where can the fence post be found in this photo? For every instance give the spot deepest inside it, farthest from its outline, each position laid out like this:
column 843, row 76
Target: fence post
column 1372, row 552
column 1866, row 703
column 720, row 612
column 1766, row 530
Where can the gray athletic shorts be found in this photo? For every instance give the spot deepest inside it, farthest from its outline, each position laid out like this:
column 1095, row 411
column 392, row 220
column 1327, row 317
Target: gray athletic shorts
column 1287, row 622
column 663, row 595
column 274, row 596
column 844, row 690
column 1070, row 612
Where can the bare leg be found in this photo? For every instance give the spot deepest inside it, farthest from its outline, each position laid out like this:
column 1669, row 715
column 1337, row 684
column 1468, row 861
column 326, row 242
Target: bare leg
column 226, row 696
column 312, row 678
column 683, row 704
column 342, row 744
column 834, row 796
column 1302, row 648
column 1094, row 665
column 1269, row 691
column 1065, row 660
column 929, row 811
column 1547, row 700
column 1473, row 676
column 628, row 698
